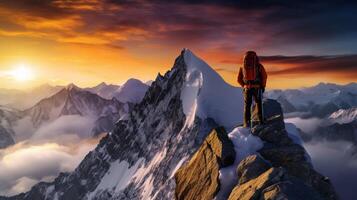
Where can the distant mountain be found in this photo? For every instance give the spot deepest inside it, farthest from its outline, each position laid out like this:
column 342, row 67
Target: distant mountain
column 339, row 126
column 172, row 130
column 73, row 100
column 133, row 90
column 320, row 100
column 104, row 90
column 7, row 117
column 24, row 99
column 343, row 116
column 70, row 100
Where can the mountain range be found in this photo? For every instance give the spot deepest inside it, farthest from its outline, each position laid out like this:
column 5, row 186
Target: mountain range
column 317, row 101
column 183, row 141
column 71, row 101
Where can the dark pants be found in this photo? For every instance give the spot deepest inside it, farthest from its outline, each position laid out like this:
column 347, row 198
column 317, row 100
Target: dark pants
column 249, row 94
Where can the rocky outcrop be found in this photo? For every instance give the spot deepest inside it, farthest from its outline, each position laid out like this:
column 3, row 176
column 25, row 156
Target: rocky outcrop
column 202, row 171
column 251, row 167
column 291, row 176
column 281, row 169
column 275, row 183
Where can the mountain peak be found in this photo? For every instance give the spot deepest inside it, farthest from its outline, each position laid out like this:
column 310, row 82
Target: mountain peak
column 205, row 91
column 102, row 84
column 132, row 81
column 133, row 90
column 72, row 86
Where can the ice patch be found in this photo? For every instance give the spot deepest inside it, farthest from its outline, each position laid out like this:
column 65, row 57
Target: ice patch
column 140, row 176
column 189, row 92
column 245, row 144
column 118, row 176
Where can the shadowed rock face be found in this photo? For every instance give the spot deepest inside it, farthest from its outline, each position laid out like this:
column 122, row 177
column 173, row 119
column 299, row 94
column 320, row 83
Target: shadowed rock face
column 199, row 179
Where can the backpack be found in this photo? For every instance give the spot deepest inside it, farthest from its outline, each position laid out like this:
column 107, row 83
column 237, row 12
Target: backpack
column 251, row 69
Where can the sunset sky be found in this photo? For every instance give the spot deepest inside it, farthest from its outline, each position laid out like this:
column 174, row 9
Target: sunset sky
column 87, row 42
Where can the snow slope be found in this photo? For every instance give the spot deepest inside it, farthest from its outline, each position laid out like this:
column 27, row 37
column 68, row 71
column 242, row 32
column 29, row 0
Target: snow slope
column 207, row 95
column 344, row 116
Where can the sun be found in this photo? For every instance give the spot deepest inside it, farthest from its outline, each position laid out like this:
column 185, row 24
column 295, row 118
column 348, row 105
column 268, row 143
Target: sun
column 22, row 73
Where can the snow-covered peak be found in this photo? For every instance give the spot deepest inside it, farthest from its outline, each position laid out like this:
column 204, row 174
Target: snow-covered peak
column 344, row 116
column 320, row 94
column 205, row 94
column 132, row 91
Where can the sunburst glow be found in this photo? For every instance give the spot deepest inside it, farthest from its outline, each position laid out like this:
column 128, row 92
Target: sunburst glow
column 22, row 73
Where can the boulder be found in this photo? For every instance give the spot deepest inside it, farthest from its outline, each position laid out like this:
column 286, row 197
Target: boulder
column 274, row 184
column 222, row 146
column 199, row 178
column 253, row 188
column 291, row 189
column 251, row 167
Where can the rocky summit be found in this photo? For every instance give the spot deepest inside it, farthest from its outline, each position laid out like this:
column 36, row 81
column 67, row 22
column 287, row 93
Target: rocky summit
column 280, row 170
column 182, row 141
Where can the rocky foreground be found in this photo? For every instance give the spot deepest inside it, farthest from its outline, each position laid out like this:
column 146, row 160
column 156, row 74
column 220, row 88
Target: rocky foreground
column 280, row 170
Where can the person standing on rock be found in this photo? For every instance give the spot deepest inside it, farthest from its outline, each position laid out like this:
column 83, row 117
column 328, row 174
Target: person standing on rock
column 252, row 77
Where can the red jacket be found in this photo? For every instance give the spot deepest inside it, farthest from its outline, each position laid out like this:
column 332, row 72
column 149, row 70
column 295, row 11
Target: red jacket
column 263, row 78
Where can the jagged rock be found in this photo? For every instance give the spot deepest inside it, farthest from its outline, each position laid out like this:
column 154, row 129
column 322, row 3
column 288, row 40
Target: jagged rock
column 274, row 184
column 282, row 155
column 253, row 188
column 290, row 189
column 199, row 179
column 251, row 167
column 281, row 151
column 222, row 146
column 271, row 108
column 273, row 132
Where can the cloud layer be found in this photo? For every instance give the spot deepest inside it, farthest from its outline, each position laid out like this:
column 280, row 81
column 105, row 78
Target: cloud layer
column 25, row 164
column 41, row 154
column 334, row 159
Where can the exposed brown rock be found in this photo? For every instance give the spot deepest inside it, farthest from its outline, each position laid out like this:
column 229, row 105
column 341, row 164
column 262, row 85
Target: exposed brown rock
column 281, row 151
column 198, row 179
column 253, row 188
column 250, row 168
column 274, row 184
column 291, row 189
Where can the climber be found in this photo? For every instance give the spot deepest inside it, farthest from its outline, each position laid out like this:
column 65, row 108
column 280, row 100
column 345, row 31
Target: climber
column 252, row 77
